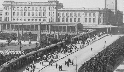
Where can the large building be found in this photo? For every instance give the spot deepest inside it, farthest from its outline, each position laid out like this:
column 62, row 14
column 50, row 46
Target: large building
column 31, row 11
column 53, row 11
column 1, row 10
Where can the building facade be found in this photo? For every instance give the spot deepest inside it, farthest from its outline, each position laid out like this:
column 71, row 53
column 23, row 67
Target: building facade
column 31, row 11
column 95, row 16
column 53, row 11
column 1, row 11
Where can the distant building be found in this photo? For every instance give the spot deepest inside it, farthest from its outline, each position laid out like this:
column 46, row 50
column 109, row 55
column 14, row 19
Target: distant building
column 95, row 16
column 1, row 10
column 111, row 4
column 53, row 11
column 31, row 11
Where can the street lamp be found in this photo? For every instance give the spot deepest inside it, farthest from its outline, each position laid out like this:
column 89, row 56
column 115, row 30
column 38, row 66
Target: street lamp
column 76, row 63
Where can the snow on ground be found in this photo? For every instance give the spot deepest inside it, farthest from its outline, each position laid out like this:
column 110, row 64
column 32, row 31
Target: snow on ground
column 83, row 55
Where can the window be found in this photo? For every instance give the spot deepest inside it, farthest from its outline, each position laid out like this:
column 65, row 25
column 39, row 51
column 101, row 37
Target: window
column 90, row 14
column 39, row 13
column 17, row 8
column 40, row 9
column 62, row 19
column 21, row 9
column 32, row 13
column 94, row 14
column 36, row 13
column 13, row 13
column 49, row 13
column 78, row 19
column 28, row 8
column 75, row 14
column 79, row 15
column 100, row 20
column 28, row 19
column 49, row 8
column 90, row 20
column 66, row 19
column 32, row 19
column 63, row 14
column 28, row 13
column 24, row 13
column 24, row 19
column 25, row 9
column 94, row 20
column 85, row 19
column 85, row 14
column 58, row 14
column 35, row 19
column 32, row 8
column 39, row 19
column 36, row 9
column 13, row 19
column 17, row 13
column 74, row 19
column 44, row 19
column 21, row 13
column 44, row 8
column 66, row 14
column 70, row 19
column 71, row 15
column 58, row 19
column 43, row 13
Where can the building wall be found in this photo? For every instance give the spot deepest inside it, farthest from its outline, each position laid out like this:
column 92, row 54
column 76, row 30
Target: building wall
column 30, row 11
column 1, row 15
column 84, row 16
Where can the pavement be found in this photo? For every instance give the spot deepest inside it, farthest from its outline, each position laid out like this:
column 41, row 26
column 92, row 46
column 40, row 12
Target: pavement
column 78, row 57
column 81, row 56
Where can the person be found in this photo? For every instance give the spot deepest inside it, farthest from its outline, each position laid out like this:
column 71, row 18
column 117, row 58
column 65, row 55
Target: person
column 56, row 65
column 59, row 67
column 91, row 49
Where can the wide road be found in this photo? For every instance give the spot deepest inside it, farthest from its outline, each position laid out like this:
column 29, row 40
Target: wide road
column 82, row 56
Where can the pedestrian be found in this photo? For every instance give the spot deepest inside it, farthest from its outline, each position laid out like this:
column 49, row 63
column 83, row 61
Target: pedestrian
column 68, row 64
column 65, row 62
column 91, row 49
column 59, row 67
column 56, row 65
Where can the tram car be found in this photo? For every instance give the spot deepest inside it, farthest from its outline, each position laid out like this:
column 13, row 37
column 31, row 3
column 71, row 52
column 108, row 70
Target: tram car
column 24, row 60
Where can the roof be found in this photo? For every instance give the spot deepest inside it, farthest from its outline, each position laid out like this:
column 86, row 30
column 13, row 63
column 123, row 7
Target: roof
column 64, row 9
column 99, row 26
column 42, row 23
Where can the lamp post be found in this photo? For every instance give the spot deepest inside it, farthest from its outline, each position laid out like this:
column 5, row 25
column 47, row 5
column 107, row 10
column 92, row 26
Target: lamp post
column 76, row 63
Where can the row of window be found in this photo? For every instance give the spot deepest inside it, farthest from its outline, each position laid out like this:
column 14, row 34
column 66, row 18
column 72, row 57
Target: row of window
column 69, row 14
column 33, row 8
column 20, row 19
column 90, row 20
column 29, row 14
column 90, row 14
column 67, row 20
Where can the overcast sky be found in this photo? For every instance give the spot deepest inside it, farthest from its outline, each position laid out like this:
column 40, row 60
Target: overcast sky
column 77, row 3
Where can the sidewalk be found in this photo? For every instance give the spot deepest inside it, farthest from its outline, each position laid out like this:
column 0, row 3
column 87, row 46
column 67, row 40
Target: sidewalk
column 82, row 55
column 26, row 42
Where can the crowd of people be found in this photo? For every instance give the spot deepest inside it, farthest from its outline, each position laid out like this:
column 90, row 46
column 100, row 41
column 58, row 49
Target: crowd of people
column 106, row 60
column 67, row 49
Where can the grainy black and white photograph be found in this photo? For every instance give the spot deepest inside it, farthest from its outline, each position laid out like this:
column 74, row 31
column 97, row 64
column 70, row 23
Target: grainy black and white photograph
column 61, row 36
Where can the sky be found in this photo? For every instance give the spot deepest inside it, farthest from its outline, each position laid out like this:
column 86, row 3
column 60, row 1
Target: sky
column 76, row 3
